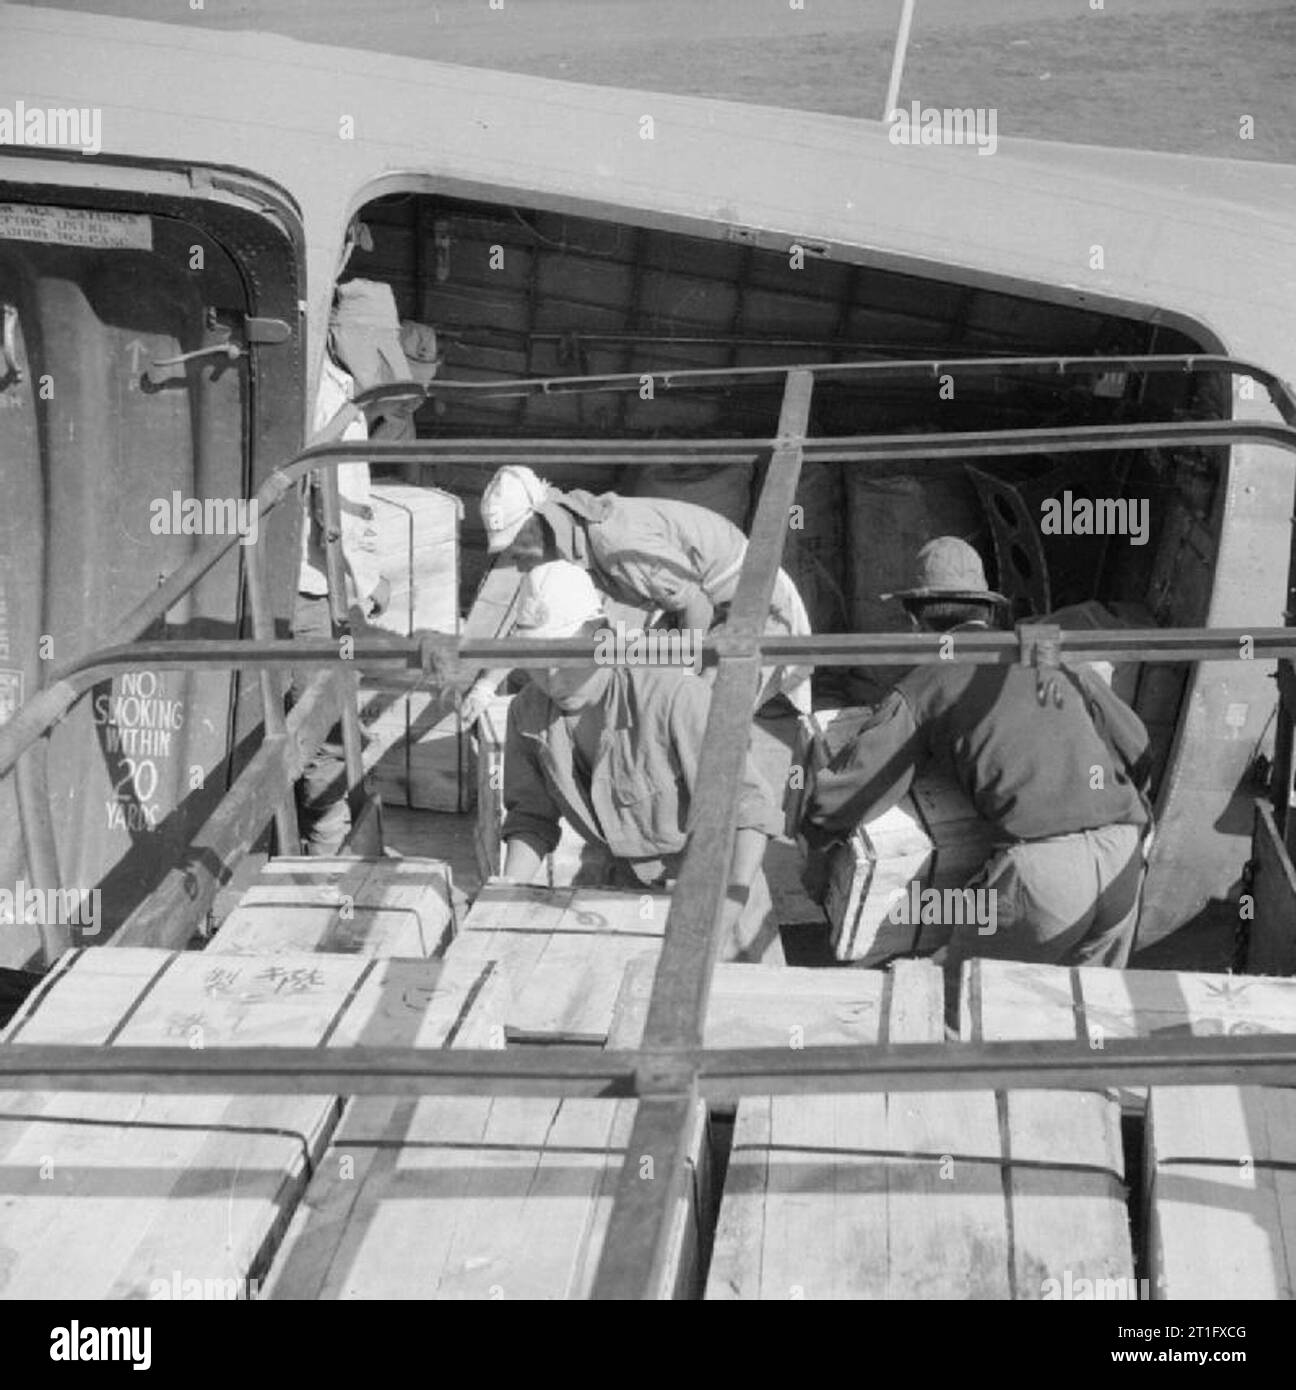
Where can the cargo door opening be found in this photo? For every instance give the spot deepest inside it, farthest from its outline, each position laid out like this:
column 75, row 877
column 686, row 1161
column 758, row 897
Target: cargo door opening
column 515, row 291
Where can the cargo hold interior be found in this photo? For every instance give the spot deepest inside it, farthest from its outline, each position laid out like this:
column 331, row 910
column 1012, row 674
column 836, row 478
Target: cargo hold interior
column 517, row 292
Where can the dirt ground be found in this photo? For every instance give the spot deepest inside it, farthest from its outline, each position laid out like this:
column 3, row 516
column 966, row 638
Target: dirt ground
column 1175, row 75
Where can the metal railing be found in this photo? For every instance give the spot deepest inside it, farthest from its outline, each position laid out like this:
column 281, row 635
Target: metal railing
column 672, row 1069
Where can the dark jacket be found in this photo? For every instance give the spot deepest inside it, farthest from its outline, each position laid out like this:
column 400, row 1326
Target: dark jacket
column 1032, row 770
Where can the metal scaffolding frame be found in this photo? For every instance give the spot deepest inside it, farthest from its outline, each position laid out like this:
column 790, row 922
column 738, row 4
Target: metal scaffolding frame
column 671, row 1070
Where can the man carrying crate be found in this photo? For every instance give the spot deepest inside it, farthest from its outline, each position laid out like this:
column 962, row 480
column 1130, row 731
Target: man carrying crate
column 1055, row 766
column 613, row 749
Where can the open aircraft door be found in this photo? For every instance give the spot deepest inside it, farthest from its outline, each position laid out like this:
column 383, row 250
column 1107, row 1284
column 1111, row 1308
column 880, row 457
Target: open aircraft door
column 151, row 375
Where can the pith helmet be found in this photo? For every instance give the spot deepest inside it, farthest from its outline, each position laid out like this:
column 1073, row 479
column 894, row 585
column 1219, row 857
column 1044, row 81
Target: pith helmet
column 511, row 497
column 556, row 600
column 949, row 568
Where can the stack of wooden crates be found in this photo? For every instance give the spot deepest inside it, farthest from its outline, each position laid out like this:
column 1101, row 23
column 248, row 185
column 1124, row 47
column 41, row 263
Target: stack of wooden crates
column 120, row 1195
column 1218, row 1181
column 415, row 754
column 1016, row 1195
column 505, row 1198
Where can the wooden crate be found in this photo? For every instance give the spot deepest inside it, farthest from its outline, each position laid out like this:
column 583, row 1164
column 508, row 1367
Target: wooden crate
column 793, row 1006
column 932, row 839
column 418, row 545
column 562, row 952
column 561, row 868
column 118, row 1195
column 374, row 907
column 416, row 754
column 1221, row 1203
column 1070, row 1223
column 922, row 1195
column 1221, row 1192
column 1091, row 1004
column 505, row 1198
column 1121, row 676
column 474, row 1199
column 1271, row 935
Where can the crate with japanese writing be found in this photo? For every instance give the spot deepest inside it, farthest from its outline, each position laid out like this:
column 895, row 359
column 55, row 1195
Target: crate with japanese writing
column 1015, row 1000
column 117, row 1194
column 912, row 1195
column 504, row 1198
column 886, row 883
column 1220, row 1195
column 384, row 907
column 572, row 859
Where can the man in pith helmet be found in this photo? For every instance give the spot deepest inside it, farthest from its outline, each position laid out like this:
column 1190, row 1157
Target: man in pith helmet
column 613, row 750
column 673, row 558
column 1055, row 766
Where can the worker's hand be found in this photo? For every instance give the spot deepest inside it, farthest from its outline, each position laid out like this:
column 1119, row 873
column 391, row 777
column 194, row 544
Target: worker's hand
column 380, row 596
column 730, row 917
column 474, row 703
column 695, row 611
column 361, row 626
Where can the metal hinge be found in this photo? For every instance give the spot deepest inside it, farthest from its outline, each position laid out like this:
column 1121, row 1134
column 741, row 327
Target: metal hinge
column 10, row 371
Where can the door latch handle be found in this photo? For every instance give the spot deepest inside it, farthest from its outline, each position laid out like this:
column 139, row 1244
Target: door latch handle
column 233, row 351
column 12, row 372
column 261, row 331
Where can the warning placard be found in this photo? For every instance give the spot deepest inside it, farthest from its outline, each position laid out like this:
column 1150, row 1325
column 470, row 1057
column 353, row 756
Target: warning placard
column 97, row 227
